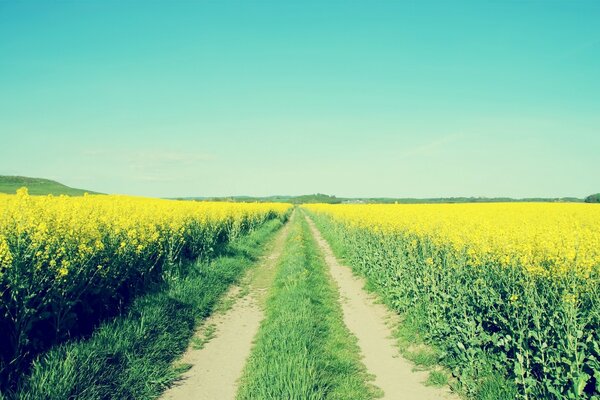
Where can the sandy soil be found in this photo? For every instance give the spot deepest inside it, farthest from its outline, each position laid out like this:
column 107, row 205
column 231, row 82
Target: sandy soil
column 218, row 365
column 367, row 321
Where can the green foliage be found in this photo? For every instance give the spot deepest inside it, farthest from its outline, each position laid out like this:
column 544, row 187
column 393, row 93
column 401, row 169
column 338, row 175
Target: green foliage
column 425, row 357
column 131, row 356
column 316, row 198
column 437, row 378
column 494, row 325
column 303, row 350
column 38, row 186
column 494, row 387
column 594, row 198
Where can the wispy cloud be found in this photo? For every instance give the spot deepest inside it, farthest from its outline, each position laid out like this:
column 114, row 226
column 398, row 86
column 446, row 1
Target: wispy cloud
column 9, row 171
column 153, row 178
column 151, row 165
column 151, row 156
column 431, row 147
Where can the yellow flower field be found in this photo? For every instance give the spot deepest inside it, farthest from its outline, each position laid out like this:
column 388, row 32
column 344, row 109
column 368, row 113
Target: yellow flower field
column 499, row 288
column 542, row 237
column 63, row 232
column 65, row 262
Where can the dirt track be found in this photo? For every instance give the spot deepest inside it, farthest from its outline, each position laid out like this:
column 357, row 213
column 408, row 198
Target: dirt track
column 218, row 365
column 367, row 321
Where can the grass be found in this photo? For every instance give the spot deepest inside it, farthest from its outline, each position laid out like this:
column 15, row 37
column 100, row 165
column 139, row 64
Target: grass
column 437, row 379
column 38, row 186
column 303, row 349
column 131, row 357
column 209, row 333
column 495, row 388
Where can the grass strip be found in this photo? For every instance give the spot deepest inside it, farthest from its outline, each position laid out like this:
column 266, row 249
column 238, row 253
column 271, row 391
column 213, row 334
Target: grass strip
column 303, row 349
column 131, row 357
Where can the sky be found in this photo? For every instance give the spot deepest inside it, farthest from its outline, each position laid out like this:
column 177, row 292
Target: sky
column 352, row 98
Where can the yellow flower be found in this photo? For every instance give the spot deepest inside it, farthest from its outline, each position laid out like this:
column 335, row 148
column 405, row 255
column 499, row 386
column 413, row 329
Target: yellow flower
column 570, row 298
column 6, row 257
column 545, row 239
column 64, row 232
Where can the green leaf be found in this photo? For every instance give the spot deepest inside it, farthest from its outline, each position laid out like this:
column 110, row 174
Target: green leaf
column 581, row 381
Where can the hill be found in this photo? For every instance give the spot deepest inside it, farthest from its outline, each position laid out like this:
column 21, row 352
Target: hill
column 304, row 199
column 594, row 198
column 38, row 186
column 323, row 198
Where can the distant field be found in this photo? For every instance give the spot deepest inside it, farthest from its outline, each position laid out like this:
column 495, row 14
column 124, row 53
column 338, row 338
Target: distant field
column 38, row 186
column 320, row 198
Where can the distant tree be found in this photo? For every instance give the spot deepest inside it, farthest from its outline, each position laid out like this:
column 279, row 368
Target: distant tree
column 594, row 198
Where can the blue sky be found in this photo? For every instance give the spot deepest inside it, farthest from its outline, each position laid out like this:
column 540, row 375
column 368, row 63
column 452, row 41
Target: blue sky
column 371, row 98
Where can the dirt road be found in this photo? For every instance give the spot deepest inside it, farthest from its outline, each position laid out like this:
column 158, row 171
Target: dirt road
column 217, row 366
column 367, row 321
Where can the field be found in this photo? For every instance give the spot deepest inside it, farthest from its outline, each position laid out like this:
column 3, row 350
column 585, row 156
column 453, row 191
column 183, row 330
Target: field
column 508, row 294
column 68, row 263
column 101, row 295
column 300, row 200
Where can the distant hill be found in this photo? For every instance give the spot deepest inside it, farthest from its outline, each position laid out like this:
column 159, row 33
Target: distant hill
column 304, row 199
column 38, row 186
column 324, row 198
column 594, row 198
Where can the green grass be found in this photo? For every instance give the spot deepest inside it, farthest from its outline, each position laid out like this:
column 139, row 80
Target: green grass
column 209, row 333
column 495, row 388
column 437, row 379
column 132, row 356
column 37, row 186
column 303, row 350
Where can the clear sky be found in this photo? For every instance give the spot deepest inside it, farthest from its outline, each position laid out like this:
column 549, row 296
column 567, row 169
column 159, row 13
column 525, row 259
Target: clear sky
column 353, row 98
